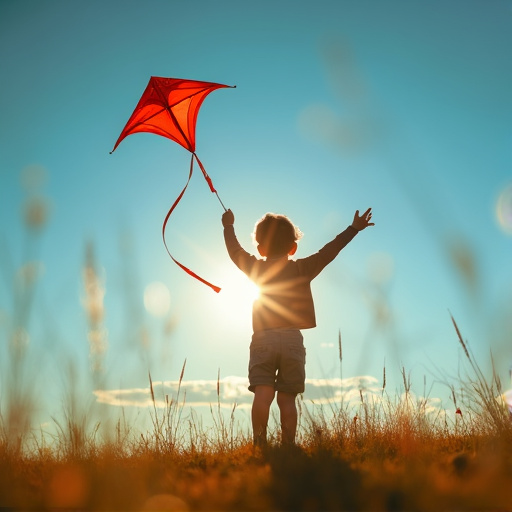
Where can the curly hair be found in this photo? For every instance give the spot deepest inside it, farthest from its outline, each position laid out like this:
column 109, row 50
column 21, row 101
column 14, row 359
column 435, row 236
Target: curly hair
column 277, row 233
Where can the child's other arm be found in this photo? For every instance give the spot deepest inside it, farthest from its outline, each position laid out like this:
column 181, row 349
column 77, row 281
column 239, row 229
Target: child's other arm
column 315, row 263
column 361, row 222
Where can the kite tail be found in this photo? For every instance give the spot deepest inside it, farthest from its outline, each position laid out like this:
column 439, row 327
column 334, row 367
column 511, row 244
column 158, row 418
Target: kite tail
column 208, row 179
column 186, row 269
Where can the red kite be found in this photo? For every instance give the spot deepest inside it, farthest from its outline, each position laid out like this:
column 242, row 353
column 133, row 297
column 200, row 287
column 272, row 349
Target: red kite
column 169, row 107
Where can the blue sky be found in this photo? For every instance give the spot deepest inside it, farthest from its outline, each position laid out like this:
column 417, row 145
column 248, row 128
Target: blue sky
column 339, row 105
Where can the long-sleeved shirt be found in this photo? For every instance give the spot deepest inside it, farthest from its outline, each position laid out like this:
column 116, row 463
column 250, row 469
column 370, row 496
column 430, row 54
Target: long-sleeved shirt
column 285, row 300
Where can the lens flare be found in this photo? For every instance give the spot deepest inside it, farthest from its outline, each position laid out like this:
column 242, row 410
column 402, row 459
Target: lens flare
column 504, row 209
column 157, row 299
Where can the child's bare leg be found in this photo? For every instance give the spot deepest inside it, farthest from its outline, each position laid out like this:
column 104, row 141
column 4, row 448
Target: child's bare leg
column 263, row 397
column 288, row 409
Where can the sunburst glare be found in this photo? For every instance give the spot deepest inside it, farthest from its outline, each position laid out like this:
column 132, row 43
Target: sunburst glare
column 237, row 295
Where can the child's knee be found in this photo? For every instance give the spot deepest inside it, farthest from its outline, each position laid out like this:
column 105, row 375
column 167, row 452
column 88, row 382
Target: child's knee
column 285, row 400
column 264, row 394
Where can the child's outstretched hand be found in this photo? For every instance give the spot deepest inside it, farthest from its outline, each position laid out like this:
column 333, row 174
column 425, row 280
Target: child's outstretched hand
column 228, row 218
column 361, row 222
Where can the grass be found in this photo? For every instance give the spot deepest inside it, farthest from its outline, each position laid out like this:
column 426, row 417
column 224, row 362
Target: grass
column 387, row 454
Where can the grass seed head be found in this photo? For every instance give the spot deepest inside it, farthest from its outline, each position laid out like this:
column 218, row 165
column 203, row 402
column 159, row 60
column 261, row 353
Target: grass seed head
column 460, row 337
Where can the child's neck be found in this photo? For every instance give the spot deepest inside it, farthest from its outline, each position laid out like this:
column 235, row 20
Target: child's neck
column 277, row 258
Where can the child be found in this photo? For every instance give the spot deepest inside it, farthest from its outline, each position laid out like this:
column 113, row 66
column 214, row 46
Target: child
column 284, row 307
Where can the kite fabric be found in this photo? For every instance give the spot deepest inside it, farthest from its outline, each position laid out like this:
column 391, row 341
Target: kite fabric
column 169, row 107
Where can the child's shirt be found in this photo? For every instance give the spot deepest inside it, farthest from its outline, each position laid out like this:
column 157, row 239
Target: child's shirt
column 285, row 300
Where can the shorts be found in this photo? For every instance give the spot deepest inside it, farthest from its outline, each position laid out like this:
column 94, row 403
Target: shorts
column 278, row 359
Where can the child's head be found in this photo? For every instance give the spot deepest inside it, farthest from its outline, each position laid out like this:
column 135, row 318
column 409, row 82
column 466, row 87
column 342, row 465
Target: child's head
column 276, row 236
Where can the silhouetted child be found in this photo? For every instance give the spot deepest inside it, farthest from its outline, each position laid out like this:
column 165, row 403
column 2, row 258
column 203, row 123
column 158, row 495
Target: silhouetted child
column 284, row 307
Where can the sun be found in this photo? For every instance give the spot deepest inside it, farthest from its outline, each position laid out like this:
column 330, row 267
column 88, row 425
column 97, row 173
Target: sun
column 237, row 295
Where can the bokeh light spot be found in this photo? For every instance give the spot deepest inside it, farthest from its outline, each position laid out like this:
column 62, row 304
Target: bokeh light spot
column 157, row 299
column 504, row 209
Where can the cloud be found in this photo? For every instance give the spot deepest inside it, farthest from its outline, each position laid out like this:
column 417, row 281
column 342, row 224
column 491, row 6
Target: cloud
column 193, row 393
column 325, row 394
column 231, row 390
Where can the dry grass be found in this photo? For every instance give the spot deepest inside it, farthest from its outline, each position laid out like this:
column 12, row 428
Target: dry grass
column 384, row 455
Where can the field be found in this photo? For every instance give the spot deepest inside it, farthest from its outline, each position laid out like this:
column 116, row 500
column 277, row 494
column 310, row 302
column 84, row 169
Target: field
column 388, row 455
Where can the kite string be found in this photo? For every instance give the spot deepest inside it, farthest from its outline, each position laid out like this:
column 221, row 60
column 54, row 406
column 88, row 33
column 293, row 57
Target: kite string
column 208, row 180
column 220, row 201
column 183, row 267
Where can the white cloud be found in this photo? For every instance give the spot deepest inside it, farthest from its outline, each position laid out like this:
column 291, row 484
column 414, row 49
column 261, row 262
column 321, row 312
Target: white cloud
column 329, row 395
column 232, row 389
column 194, row 393
column 137, row 397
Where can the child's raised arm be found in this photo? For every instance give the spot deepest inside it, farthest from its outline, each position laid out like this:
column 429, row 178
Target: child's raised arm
column 361, row 222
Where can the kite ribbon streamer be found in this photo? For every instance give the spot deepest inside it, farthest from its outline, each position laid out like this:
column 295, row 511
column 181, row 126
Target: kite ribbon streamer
column 178, row 199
